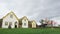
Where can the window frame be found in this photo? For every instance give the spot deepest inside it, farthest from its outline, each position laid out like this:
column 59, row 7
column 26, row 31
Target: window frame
column 11, row 16
column 6, row 23
column 24, row 24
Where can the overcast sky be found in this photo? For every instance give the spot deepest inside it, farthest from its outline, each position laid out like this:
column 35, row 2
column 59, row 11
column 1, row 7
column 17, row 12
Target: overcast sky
column 33, row 9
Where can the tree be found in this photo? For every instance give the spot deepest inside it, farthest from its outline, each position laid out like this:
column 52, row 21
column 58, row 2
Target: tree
column 1, row 22
column 42, row 23
column 51, row 24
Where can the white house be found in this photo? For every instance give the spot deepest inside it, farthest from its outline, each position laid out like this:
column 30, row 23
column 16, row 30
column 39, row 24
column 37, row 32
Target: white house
column 10, row 20
column 24, row 22
column 28, row 24
column 33, row 24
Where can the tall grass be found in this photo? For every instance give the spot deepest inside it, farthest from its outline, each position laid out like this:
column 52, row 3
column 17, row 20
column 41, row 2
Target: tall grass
column 30, row 31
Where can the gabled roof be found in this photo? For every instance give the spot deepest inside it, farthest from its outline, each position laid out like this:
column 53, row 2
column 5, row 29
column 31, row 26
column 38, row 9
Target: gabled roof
column 10, row 13
column 33, row 21
column 24, row 17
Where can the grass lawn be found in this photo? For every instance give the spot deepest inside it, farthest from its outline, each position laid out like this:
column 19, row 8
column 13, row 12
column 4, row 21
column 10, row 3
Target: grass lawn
column 30, row 31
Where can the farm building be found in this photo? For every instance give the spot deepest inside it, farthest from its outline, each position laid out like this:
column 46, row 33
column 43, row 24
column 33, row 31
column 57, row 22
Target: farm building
column 24, row 22
column 12, row 21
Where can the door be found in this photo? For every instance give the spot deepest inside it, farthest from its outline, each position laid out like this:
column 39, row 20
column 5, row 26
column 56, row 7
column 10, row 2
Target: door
column 16, row 24
column 10, row 23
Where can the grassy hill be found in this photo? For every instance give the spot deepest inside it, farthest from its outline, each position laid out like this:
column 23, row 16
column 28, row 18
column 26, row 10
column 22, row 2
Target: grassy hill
column 30, row 31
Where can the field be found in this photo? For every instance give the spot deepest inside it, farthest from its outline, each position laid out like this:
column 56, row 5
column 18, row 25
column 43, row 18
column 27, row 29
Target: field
column 30, row 31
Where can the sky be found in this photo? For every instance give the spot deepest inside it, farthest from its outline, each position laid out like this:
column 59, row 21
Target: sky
column 33, row 9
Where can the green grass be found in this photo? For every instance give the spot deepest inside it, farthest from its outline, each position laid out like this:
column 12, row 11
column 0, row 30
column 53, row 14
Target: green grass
column 30, row 31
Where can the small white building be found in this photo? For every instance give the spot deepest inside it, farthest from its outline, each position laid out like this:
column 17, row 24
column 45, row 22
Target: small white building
column 24, row 22
column 33, row 24
column 10, row 20
column 28, row 24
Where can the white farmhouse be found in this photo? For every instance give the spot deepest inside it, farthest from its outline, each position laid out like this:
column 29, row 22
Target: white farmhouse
column 24, row 22
column 33, row 24
column 10, row 20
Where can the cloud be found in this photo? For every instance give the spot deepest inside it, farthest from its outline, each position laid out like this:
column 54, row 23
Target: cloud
column 34, row 9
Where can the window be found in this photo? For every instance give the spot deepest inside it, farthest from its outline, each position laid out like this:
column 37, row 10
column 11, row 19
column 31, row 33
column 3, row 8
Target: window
column 6, row 23
column 24, row 24
column 24, row 19
column 16, row 23
column 11, row 16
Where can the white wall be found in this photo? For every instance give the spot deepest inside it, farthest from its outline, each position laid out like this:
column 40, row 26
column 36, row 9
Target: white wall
column 33, row 24
column 23, row 26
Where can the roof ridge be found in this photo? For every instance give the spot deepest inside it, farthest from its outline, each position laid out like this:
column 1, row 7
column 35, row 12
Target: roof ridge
column 9, row 13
